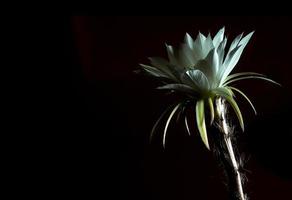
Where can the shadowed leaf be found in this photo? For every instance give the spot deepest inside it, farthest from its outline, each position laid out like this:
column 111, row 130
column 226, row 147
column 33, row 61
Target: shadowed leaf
column 167, row 122
column 178, row 87
column 248, row 100
column 157, row 122
column 250, row 77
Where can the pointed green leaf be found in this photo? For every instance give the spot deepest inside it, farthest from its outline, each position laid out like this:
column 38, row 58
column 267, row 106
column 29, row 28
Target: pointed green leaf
column 200, row 117
column 157, row 122
column 167, row 122
column 236, row 109
column 248, row 100
column 232, row 76
column 187, row 125
column 180, row 112
column 250, row 77
column 211, row 107
column 223, row 91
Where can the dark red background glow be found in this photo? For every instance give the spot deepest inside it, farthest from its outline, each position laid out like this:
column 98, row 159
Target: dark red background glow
column 113, row 110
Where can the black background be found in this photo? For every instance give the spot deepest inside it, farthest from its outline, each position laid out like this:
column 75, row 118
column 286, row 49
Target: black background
column 107, row 111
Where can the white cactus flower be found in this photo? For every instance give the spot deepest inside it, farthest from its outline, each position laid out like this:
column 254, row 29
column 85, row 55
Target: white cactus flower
column 201, row 70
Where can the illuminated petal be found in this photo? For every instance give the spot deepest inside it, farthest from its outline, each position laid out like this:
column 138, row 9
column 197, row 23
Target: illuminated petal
column 232, row 58
column 189, row 41
column 221, row 50
column 218, row 37
column 199, row 78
